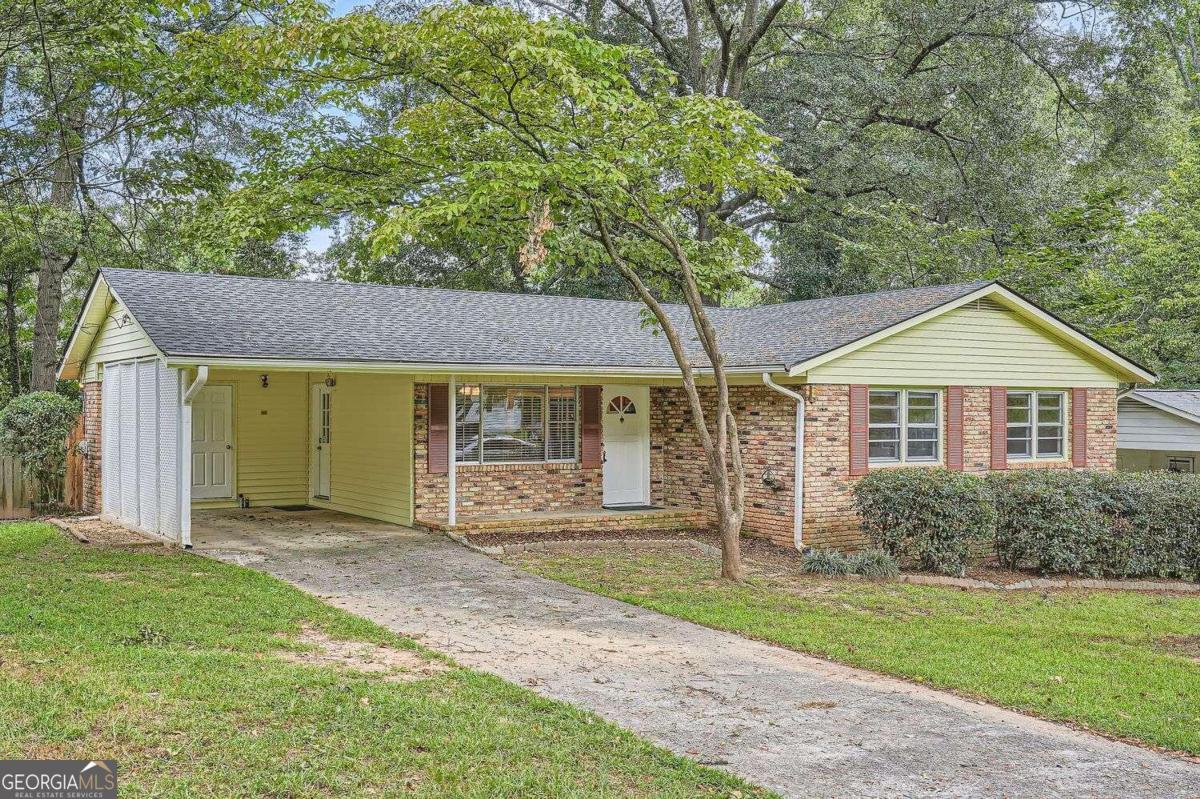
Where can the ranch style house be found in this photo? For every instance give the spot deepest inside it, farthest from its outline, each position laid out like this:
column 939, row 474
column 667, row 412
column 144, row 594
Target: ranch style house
column 471, row 410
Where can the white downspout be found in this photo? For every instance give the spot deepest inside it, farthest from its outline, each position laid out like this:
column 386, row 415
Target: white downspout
column 451, row 455
column 798, row 467
column 184, row 453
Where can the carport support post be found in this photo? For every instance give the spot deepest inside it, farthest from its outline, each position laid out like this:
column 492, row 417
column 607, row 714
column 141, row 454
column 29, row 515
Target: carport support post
column 451, row 460
column 187, row 393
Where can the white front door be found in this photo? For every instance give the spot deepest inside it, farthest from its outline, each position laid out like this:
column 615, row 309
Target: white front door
column 626, row 431
column 212, row 443
column 322, row 440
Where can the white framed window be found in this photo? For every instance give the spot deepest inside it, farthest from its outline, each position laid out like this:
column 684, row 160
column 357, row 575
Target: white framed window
column 561, row 422
column 516, row 424
column 904, row 426
column 1037, row 424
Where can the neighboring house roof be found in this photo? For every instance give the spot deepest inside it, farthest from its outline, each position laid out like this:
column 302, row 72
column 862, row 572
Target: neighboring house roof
column 221, row 317
column 1178, row 402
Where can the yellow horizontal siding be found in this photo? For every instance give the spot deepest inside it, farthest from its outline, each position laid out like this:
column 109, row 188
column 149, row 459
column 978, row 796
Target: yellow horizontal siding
column 270, row 435
column 371, row 462
column 117, row 341
column 969, row 346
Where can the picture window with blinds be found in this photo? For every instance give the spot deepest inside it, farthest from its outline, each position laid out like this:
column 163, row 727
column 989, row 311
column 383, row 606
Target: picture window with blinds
column 516, row 424
column 904, row 426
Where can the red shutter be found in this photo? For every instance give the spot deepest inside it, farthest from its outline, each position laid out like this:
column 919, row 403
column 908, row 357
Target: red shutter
column 439, row 428
column 859, row 402
column 1079, row 413
column 954, row 427
column 1000, row 427
column 589, row 417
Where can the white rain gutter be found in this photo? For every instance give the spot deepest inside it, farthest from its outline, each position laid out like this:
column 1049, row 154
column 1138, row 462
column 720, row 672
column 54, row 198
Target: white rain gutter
column 183, row 451
column 196, row 385
column 451, row 455
column 798, row 466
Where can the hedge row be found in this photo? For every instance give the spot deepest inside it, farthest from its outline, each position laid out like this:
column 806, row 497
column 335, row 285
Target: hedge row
column 1094, row 524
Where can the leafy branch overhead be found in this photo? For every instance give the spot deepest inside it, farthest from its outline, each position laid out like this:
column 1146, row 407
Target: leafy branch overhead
column 517, row 116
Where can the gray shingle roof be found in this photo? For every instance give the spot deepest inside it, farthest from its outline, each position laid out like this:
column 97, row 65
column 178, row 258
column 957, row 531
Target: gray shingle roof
column 1181, row 400
column 221, row 316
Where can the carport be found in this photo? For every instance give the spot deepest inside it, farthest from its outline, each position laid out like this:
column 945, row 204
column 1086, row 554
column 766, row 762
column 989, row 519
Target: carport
column 253, row 532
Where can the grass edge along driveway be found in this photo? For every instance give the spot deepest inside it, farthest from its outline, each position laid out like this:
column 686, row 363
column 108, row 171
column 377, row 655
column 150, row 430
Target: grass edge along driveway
column 184, row 670
column 1122, row 663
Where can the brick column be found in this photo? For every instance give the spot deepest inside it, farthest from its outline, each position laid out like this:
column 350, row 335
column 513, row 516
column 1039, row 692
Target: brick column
column 91, row 434
column 1102, row 428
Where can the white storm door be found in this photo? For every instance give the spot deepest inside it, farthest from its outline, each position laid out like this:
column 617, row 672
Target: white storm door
column 212, row 443
column 626, row 432
column 322, row 439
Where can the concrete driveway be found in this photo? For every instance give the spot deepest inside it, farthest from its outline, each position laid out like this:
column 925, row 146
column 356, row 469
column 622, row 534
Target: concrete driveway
column 799, row 725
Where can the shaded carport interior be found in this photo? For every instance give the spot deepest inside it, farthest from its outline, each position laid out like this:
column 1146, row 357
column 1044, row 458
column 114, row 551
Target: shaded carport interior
column 254, row 532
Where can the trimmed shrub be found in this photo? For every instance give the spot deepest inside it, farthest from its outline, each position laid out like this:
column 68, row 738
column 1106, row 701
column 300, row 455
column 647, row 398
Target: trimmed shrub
column 1098, row 524
column 829, row 562
column 1159, row 517
column 928, row 517
column 874, row 563
column 34, row 428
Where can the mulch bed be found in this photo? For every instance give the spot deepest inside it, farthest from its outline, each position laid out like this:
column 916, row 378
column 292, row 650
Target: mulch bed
column 770, row 559
column 500, row 539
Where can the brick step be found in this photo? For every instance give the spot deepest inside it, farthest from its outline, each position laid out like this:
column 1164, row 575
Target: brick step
column 534, row 523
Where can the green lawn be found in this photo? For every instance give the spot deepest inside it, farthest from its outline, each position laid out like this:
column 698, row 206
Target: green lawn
column 171, row 664
column 1124, row 663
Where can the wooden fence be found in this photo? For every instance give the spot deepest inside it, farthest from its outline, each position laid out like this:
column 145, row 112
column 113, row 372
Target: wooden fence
column 73, row 484
column 16, row 492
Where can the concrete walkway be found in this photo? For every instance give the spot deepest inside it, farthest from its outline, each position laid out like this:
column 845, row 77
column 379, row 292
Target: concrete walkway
column 799, row 725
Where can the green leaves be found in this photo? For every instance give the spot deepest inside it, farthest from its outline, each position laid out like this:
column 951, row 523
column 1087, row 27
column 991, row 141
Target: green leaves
column 501, row 115
column 34, row 427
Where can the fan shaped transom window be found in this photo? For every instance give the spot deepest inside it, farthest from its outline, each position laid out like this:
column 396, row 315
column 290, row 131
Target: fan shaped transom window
column 622, row 405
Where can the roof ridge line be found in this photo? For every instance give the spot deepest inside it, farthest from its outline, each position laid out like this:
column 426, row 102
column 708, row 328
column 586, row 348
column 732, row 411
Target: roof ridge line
column 720, row 308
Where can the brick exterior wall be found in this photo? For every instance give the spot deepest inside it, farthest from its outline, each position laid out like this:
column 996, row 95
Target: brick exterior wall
column 91, row 394
column 767, row 428
column 496, row 488
column 766, row 421
column 829, row 518
column 678, row 472
column 1102, row 429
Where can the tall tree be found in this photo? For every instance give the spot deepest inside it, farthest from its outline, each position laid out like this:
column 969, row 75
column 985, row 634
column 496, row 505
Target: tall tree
column 103, row 129
column 965, row 117
column 538, row 140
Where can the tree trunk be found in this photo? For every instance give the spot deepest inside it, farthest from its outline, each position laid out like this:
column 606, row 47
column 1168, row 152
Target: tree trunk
column 12, row 331
column 728, row 477
column 47, row 318
column 54, row 263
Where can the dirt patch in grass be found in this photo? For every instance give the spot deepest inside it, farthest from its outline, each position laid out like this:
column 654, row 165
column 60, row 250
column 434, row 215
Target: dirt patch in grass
column 91, row 530
column 397, row 665
column 1187, row 646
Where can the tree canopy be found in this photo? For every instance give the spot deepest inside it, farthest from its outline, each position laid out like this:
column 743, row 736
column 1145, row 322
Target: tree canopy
column 1044, row 143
